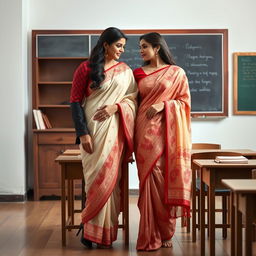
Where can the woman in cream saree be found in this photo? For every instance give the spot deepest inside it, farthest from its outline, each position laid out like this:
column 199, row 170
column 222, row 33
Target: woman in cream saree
column 162, row 144
column 102, row 169
column 109, row 112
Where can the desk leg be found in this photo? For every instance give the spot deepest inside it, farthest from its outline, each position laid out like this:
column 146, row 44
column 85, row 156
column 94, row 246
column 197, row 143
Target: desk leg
column 238, row 228
column 202, row 214
column 188, row 224
column 211, row 212
column 194, row 205
column 83, row 195
column 69, row 200
column 72, row 205
column 224, row 216
column 63, row 205
column 126, row 204
column 248, row 224
column 232, row 224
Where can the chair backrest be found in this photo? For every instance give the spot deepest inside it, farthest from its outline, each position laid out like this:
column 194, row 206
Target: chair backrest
column 253, row 173
column 205, row 146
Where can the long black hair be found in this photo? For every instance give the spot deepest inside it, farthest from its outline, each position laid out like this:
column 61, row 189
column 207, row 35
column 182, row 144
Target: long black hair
column 96, row 59
column 155, row 39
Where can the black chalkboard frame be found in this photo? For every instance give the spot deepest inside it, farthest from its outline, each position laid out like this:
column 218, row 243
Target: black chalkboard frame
column 223, row 112
column 239, row 85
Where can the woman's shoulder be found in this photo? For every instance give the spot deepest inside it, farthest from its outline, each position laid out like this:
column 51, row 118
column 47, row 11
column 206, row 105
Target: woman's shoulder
column 84, row 65
column 138, row 74
column 84, row 68
column 123, row 64
column 138, row 71
column 177, row 69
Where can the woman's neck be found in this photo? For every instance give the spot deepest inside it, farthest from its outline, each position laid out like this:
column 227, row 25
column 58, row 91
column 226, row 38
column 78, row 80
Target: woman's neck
column 156, row 63
column 109, row 63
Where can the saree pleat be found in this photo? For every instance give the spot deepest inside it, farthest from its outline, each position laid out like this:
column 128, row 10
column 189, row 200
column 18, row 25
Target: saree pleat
column 102, row 169
column 156, row 225
column 162, row 150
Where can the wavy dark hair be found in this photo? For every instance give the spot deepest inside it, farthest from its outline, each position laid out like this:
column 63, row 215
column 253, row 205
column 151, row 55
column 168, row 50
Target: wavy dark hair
column 155, row 39
column 96, row 59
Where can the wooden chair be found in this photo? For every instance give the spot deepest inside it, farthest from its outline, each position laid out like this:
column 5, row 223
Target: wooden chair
column 224, row 193
column 253, row 173
column 206, row 146
column 186, row 222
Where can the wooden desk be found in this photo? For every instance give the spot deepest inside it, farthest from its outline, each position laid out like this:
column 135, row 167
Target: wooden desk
column 245, row 152
column 243, row 201
column 211, row 174
column 71, row 169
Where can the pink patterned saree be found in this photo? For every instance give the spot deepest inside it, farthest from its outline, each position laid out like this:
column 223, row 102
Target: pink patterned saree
column 113, row 143
column 162, row 150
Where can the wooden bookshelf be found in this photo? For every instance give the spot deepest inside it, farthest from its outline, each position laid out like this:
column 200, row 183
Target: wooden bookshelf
column 52, row 80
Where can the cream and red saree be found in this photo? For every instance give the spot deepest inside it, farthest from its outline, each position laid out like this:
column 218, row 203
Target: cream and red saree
column 113, row 143
column 162, row 150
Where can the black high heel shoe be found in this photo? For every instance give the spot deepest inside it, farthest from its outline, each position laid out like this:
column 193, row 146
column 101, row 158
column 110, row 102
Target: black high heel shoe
column 85, row 242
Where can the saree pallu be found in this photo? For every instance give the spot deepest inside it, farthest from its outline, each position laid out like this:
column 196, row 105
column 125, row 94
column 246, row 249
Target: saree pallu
column 113, row 143
column 163, row 150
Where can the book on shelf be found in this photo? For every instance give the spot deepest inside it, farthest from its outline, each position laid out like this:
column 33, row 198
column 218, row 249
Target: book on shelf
column 231, row 159
column 46, row 121
column 36, row 119
column 41, row 120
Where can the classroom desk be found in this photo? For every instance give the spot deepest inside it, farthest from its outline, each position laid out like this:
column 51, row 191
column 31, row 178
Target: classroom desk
column 211, row 174
column 245, row 152
column 243, row 201
column 71, row 169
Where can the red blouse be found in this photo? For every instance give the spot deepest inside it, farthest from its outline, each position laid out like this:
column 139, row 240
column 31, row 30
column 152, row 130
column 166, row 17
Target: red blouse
column 138, row 74
column 81, row 79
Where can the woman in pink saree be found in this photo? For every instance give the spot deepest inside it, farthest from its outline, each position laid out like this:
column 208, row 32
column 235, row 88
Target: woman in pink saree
column 162, row 144
column 103, row 108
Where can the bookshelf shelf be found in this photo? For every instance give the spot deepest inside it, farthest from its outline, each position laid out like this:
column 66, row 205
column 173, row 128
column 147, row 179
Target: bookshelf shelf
column 57, row 70
column 62, row 58
column 52, row 130
column 55, row 83
column 53, row 106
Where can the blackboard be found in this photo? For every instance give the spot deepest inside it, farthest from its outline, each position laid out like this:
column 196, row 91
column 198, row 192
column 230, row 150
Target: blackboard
column 63, row 46
column 245, row 83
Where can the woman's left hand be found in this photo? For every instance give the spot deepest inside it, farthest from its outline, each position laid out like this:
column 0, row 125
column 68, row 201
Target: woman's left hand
column 154, row 109
column 105, row 112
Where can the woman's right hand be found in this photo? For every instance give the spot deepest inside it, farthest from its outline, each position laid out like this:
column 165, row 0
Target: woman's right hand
column 87, row 143
column 154, row 109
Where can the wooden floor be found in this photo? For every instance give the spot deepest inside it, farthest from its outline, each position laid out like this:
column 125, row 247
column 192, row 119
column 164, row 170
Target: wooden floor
column 33, row 228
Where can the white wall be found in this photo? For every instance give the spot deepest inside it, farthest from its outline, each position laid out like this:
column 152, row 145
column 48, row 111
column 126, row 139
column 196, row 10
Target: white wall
column 13, row 88
column 237, row 17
